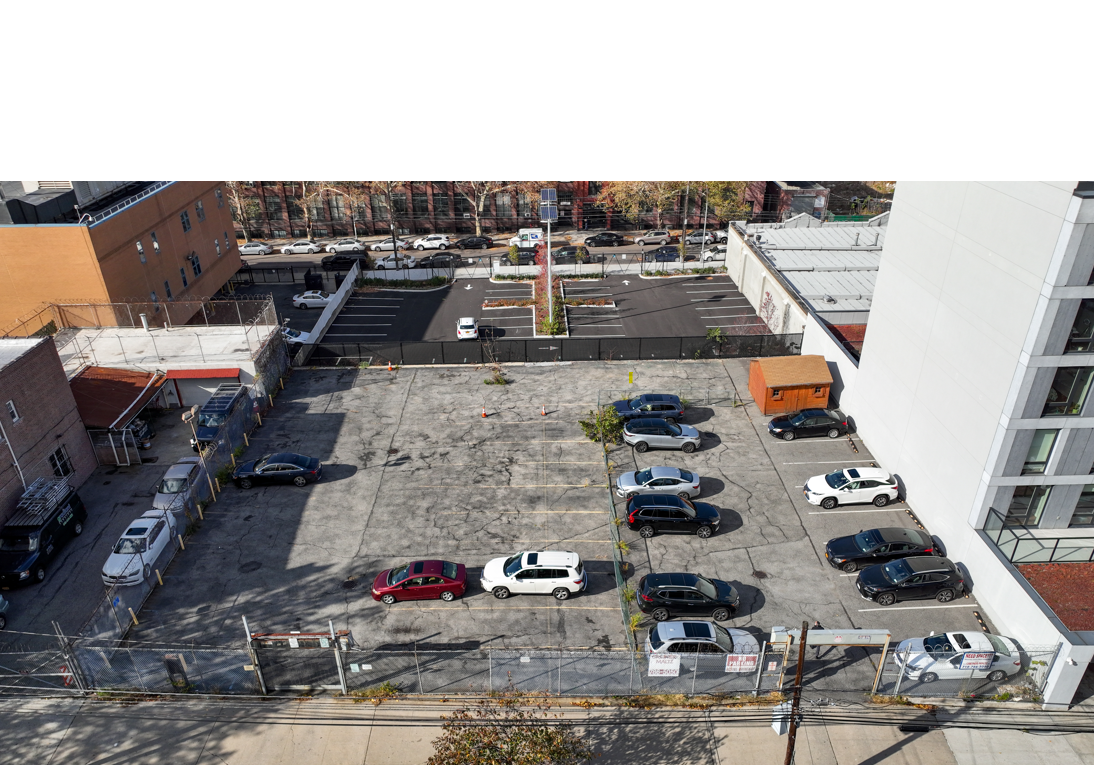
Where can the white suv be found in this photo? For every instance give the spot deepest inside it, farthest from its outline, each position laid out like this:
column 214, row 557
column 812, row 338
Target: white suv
column 544, row 572
column 138, row 550
column 433, row 242
column 856, row 485
column 654, row 237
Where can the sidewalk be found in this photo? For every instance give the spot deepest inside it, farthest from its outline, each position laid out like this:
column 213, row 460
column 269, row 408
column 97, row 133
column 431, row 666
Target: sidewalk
column 333, row 732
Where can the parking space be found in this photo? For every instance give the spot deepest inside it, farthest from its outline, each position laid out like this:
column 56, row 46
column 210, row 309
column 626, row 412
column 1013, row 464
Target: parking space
column 505, row 323
column 592, row 320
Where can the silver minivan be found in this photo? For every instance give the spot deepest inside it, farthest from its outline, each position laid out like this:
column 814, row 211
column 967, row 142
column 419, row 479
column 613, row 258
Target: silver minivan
column 644, row 432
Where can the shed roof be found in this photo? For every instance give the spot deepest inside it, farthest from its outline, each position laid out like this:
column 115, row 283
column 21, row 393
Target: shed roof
column 111, row 398
column 787, row 371
column 202, row 374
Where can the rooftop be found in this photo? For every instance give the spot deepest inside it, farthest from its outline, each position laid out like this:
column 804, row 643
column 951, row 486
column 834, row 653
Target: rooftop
column 1067, row 588
column 110, row 398
column 787, row 371
column 12, row 348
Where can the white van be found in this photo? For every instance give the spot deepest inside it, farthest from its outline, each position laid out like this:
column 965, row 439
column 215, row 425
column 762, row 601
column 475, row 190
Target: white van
column 527, row 237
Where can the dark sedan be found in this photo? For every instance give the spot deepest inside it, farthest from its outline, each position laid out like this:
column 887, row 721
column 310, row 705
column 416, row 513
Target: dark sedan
column 445, row 260
column 475, row 243
column 605, row 239
column 421, row 580
column 808, row 422
column 666, row 595
column 343, row 262
column 919, row 578
column 663, row 405
column 874, row 546
column 285, row 467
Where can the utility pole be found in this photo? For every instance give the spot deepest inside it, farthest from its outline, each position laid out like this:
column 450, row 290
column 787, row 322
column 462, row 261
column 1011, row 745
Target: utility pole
column 792, row 733
column 548, row 211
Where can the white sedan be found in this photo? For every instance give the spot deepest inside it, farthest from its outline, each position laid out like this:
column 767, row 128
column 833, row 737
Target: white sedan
column 133, row 557
column 717, row 252
column 698, row 237
column 467, row 329
column 295, row 336
column 255, row 248
column 433, row 242
column 852, row 486
column 346, row 245
column 395, row 261
column 384, row 245
column 302, row 247
column 960, row 656
column 311, row 299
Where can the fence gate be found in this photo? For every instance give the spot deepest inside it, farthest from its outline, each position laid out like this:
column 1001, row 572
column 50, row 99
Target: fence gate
column 27, row 671
column 300, row 661
column 115, row 447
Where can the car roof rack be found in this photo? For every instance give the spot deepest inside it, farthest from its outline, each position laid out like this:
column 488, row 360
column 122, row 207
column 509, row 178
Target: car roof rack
column 43, row 495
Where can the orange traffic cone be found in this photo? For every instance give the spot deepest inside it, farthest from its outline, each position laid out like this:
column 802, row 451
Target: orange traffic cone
column 484, row 410
column 543, row 411
column 389, row 366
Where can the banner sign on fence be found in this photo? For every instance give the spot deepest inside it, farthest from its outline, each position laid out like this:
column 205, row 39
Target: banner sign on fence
column 664, row 665
column 977, row 659
column 742, row 662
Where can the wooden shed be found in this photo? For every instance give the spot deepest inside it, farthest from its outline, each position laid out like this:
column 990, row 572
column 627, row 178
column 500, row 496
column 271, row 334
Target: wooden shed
column 788, row 383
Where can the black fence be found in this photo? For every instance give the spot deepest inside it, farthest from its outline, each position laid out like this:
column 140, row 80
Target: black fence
column 555, row 349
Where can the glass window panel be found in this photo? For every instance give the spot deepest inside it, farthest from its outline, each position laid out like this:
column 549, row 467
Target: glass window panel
column 421, row 204
column 440, row 205
column 337, row 207
column 1039, row 451
column 379, row 207
column 1082, row 331
column 398, row 201
column 1084, row 510
column 1068, row 392
column 273, row 207
column 1026, row 506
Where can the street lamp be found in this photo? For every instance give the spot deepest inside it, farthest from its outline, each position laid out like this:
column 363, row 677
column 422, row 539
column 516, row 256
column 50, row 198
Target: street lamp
column 548, row 211
column 188, row 417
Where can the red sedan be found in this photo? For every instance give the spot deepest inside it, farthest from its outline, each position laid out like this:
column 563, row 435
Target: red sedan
column 421, row 580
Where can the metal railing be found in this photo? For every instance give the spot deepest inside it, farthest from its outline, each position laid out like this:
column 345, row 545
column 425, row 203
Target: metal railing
column 1021, row 544
column 91, row 220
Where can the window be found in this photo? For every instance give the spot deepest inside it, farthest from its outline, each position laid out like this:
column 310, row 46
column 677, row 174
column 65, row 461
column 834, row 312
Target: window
column 140, row 251
column 195, row 263
column 463, row 206
column 1039, row 452
column 13, row 412
column 296, row 212
column 278, row 233
column 1026, row 506
column 398, row 203
column 1068, row 391
column 199, row 208
column 440, row 205
column 594, row 188
column 315, row 209
column 216, row 243
column 776, row 394
column 273, row 207
column 503, row 202
column 60, row 463
column 337, row 207
column 227, row 241
column 167, row 289
column 220, row 197
column 379, row 207
column 421, row 205
column 1084, row 510
column 1082, row 331
column 818, row 391
column 526, row 206
column 155, row 243
column 185, row 218
column 182, row 273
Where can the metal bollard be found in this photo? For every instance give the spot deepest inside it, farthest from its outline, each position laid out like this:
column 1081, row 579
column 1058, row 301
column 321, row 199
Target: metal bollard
column 182, row 546
column 159, row 577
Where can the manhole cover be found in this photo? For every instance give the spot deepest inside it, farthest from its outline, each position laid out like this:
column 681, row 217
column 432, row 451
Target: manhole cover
column 760, row 574
column 392, row 451
column 249, row 566
column 349, row 584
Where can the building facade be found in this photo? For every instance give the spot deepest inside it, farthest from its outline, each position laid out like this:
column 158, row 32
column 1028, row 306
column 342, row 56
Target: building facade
column 156, row 241
column 41, row 433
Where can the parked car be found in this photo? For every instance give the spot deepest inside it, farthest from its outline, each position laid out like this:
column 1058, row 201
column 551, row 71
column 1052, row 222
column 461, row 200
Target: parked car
column 666, row 595
column 395, row 261
column 447, row 260
column 217, row 409
column 664, row 405
column 649, row 514
column 660, row 434
column 666, row 254
column 4, row 605
column 140, row 546
column 294, row 338
column 656, row 236
column 575, row 253
column 700, row 237
column 605, row 239
column 850, row 486
column 433, row 242
column 525, row 257
column 467, row 329
column 939, row 657
column 658, row 480
column 343, row 262
column 255, row 248
column 48, row 516
column 180, row 485
column 873, row 546
column 385, row 245
column 918, row 578
column 560, row 574
column 284, row 467
column 475, row 243
column 808, row 422
column 721, row 235
column 311, row 299
column 301, row 247
column 347, row 245
column 421, row 580
column 699, row 637
column 717, row 252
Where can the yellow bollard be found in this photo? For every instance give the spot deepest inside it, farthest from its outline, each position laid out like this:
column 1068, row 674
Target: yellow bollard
column 233, row 456
column 270, row 396
column 159, row 577
column 246, row 441
column 181, row 545
column 281, row 382
column 259, row 416
column 201, row 515
column 218, row 484
column 134, row 616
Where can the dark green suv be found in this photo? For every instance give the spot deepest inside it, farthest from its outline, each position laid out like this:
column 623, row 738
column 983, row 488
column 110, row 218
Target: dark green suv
column 49, row 515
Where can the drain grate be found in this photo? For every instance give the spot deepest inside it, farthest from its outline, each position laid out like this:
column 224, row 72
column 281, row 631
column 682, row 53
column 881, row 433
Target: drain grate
column 759, row 574
column 392, row 451
column 349, row 584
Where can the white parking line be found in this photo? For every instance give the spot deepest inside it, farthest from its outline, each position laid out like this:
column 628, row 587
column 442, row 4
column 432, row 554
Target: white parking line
column 368, row 315
column 358, row 324
column 353, row 334
column 721, row 289
column 836, row 462
column 880, row 510
column 727, row 300
column 917, row 608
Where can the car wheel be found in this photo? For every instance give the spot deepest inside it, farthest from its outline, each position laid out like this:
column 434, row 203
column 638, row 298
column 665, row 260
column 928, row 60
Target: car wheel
column 788, row 435
column 483, row 247
column 447, row 596
column 928, row 677
column 683, row 495
column 945, row 596
column 641, row 446
column 664, row 242
column 300, row 480
column 670, row 420
column 850, row 567
column 646, row 532
column 381, row 267
column 302, row 306
column 828, row 503
column 886, row 599
column 640, row 243
column 833, row 433
column 147, row 570
column 688, row 448
column 704, row 532
column 442, row 246
column 720, row 614
column 501, row 593
column 561, row 593
column 3, row 621
column 387, row 598
column 78, row 528
column 245, row 483
column 660, row 614
column 419, row 247
column 39, row 574
column 997, row 676
column 881, row 500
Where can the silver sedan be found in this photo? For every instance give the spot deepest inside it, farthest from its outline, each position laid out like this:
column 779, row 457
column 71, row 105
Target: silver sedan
column 658, row 480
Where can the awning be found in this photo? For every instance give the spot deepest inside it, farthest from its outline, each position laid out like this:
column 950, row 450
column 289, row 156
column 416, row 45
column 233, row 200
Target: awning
column 202, row 374
column 111, row 398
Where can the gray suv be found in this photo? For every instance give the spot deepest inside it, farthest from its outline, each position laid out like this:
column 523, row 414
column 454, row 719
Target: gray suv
column 645, row 432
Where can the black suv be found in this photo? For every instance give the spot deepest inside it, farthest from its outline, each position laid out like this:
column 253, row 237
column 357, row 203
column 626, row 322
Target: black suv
column 918, row 578
column 474, row 243
column 808, row 422
column 443, row 260
column 650, row 513
column 665, row 595
column 874, row 546
column 47, row 517
column 343, row 262
column 605, row 239
column 663, row 405
column 575, row 253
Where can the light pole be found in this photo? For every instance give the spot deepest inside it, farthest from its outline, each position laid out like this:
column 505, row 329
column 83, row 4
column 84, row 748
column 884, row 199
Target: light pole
column 188, row 418
column 548, row 211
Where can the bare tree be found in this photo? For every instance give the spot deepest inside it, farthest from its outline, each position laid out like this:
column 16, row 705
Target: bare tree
column 311, row 197
column 386, row 191
column 478, row 192
column 354, row 192
column 244, row 208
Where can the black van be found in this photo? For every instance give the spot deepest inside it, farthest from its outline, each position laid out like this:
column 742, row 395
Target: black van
column 48, row 516
column 215, row 412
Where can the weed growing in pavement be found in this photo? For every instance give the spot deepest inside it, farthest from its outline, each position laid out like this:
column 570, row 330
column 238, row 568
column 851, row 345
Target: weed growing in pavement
column 623, row 547
column 715, row 333
column 224, row 474
column 237, row 452
column 604, row 425
column 496, row 378
column 628, row 593
column 634, row 621
column 513, row 277
column 376, row 694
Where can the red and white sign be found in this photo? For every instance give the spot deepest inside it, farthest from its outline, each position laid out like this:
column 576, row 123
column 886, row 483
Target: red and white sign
column 977, row 659
column 66, row 674
column 742, row 662
column 664, row 665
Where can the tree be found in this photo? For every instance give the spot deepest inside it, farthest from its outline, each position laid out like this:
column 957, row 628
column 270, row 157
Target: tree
column 311, row 197
column 355, row 193
column 478, row 192
column 633, row 198
column 244, row 208
column 385, row 190
column 511, row 729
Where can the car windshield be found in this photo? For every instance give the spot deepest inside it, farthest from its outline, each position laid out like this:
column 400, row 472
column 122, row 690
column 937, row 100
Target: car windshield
column 836, row 479
column 172, row 485
column 323, row 295
column 467, row 325
column 291, row 332
column 130, row 546
column 674, row 429
column 656, row 641
column 397, row 575
column 642, row 477
column 261, row 463
column 21, row 543
column 449, row 570
column 723, row 638
column 897, row 571
column 999, row 646
column 634, row 403
column 211, row 420
column 512, row 565
column 707, row 587
column 685, row 475
column 866, row 540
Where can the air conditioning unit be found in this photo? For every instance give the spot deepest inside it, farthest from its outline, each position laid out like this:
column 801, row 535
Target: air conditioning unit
column 467, row 215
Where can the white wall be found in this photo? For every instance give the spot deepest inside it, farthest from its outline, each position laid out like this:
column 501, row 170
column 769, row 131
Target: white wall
column 817, row 340
column 756, row 282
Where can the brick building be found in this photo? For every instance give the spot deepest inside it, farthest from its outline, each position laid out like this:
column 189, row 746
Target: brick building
column 112, row 241
column 775, row 201
column 40, row 427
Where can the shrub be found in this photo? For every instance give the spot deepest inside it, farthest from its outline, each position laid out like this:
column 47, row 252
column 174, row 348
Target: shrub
column 603, row 425
column 496, row 378
column 514, row 254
